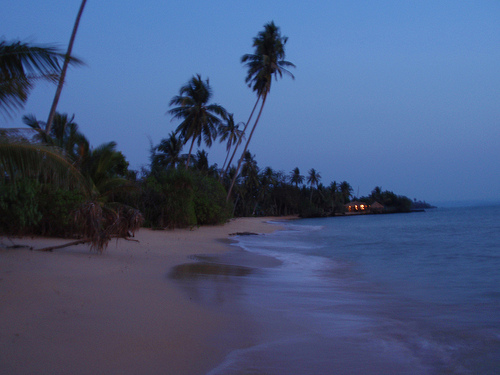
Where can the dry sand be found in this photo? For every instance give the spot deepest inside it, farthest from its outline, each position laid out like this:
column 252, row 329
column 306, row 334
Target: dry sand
column 74, row 312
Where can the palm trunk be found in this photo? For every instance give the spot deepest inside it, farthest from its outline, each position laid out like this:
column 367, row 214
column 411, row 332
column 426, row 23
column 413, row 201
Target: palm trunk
column 224, row 165
column 64, row 68
column 246, row 147
column 189, row 155
column 241, row 138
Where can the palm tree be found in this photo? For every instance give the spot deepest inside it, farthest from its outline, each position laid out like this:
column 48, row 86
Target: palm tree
column 21, row 66
column 200, row 119
column 251, row 182
column 201, row 161
column 296, row 178
column 67, row 59
column 64, row 134
column 230, row 132
column 266, row 62
column 376, row 194
column 313, row 179
column 345, row 191
column 169, row 155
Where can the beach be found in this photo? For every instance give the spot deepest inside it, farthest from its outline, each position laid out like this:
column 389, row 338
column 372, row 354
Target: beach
column 71, row 311
column 408, row 294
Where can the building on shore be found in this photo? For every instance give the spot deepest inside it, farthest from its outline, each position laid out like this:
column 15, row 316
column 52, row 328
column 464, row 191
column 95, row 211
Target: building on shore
column 356, row 208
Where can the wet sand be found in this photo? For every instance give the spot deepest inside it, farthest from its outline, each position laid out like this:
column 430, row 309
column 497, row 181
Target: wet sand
column 125, row 312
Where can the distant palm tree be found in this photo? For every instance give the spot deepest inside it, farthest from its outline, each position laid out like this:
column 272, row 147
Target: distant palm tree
column 106, row 167
column 296, row 178
column 169, row 152
column 201, row 161
column 376, row 194
column 345, row 191
column 64, row 134
column 313, row 179
column 200, row 119
column 21, row 66
column 266, row 62
column 250, row 170
column 67, row 59
column 230, row 132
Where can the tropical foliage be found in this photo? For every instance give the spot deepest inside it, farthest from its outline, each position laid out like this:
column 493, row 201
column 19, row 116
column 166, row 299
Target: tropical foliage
column 54, row 183
column 21, row 66
column 46, row 180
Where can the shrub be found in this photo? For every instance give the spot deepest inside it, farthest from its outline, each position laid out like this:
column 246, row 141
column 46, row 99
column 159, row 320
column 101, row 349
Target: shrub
column 210, row 201
column 19, row 211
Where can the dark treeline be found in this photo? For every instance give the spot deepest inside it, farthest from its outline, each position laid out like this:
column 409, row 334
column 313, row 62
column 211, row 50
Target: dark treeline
column 54, row 183
column 166, row 192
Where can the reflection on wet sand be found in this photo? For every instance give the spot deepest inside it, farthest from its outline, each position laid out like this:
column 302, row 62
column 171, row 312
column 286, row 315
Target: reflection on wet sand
column 207, row 270
column 216, row 279
column 211, row 283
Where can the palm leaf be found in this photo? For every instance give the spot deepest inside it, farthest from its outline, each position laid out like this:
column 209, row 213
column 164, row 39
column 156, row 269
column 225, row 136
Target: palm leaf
column 20, row 159
column 21, row 65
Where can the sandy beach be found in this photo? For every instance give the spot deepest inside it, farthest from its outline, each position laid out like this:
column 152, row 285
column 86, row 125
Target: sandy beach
column 74, row 312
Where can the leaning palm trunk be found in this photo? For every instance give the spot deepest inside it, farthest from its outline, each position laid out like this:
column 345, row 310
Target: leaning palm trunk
column 241, row 138
column 189, row 155
column 264, row 96
column 67, row 59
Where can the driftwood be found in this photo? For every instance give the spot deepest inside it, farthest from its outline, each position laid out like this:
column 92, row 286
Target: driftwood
column 79, row 242
column 243, row 234
column 50, row 248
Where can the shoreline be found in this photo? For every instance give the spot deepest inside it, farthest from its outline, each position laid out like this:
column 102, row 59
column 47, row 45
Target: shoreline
column 72, row 311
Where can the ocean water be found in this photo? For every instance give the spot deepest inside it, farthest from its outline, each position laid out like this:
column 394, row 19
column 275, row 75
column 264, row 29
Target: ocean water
column 414, row 293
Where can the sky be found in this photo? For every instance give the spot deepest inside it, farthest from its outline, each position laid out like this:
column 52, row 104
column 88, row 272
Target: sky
column 400, row 94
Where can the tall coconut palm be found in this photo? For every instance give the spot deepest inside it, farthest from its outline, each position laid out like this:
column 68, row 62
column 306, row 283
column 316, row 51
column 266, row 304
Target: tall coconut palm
column 296, row 178
column 230, row 132
column 200, row 119
column 21, row 66
column 67, row 59
column 313, row 180
column 266, row 62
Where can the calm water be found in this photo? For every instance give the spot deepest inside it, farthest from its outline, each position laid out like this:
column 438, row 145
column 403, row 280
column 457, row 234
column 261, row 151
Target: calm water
column 411, row 293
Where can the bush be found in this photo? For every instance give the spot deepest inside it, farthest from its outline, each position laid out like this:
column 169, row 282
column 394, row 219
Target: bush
column 30, row 207
column 210, row 201
column 57, row 207
column 19, row 211
column 177, row 198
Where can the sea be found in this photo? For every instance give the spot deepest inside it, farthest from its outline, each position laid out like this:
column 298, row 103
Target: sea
column 412, row 293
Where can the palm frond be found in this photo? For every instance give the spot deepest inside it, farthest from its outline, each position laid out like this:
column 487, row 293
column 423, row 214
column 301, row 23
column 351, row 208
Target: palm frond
column 99, row 224
column 21, row 65
column 21, row 159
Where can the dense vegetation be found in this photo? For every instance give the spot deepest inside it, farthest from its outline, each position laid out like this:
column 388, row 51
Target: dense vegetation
column 54, row 183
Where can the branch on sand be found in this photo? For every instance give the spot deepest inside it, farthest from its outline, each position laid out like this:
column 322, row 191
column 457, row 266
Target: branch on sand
column 74, row 243
column 100, row 224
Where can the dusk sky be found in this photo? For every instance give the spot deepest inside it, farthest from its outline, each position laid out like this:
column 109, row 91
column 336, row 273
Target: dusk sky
column 399, row 94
